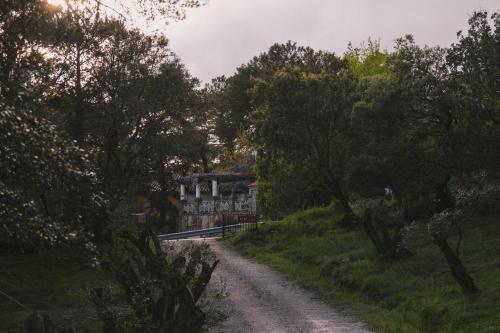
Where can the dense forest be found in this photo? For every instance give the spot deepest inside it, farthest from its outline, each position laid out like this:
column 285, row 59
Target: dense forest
column 94, row 114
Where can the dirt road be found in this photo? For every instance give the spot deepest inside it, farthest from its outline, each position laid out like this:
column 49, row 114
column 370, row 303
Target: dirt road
column 259, row 300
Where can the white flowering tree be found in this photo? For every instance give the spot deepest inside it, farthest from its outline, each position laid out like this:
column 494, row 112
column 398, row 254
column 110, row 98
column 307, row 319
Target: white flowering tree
column 45, row 182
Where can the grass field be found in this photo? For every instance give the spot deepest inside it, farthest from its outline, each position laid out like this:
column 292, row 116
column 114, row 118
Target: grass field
column 417, row 294
column 54, row 282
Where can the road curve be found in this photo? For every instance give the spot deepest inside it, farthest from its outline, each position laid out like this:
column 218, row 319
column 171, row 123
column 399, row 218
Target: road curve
column 260, row 300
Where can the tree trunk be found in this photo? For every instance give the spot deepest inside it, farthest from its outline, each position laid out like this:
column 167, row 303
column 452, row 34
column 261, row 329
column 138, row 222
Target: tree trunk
column 204, row 161
column 372, row 232
column 163, row 211
column 387, row 244
column 78, row 108
column 343, row 199
column 443, row 195
column 458, row 269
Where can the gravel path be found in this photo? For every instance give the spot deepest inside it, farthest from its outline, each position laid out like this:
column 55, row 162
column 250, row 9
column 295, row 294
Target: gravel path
column 259, row 300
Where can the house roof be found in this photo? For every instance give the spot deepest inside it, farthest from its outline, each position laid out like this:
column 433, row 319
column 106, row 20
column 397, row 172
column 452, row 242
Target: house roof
column 228, row 182
column 222, row 177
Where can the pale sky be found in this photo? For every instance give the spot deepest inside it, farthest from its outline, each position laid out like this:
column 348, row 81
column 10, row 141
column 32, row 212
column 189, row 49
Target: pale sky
column 215, row 39
column 224, row 34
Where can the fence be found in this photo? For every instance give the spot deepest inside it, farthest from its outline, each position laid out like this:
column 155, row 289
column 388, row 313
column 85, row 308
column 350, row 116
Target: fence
column 229, row 223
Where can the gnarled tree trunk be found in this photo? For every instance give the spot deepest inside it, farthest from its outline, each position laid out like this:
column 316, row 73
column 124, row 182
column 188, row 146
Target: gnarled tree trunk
column 456, row 265
column 385, row 235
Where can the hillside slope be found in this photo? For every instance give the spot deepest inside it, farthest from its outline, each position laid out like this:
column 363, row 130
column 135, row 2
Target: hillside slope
column 417, row 294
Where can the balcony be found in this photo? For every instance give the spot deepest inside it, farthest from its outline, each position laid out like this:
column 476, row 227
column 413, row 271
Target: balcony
column 217, row 206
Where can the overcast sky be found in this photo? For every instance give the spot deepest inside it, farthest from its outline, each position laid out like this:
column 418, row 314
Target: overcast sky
column 224, row 34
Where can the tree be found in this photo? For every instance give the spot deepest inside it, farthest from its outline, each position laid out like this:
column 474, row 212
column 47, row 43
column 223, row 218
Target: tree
column 92, row 113
column 424, row 125
column 79, row 37
column 171, row 9
column 25, row 29
column 286, row 186
column 367, row 60
column 231, row 98
column 410, row 136
column 47, row 182
column 475, row 71
column 41, row 172
column 146, row 117
column 303, row 114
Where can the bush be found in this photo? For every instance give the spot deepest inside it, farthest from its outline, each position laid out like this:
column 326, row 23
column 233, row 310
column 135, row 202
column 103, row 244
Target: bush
column 162, row 287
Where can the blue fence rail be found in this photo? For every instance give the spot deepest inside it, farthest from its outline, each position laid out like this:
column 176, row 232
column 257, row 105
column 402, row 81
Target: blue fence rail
column 206, row 232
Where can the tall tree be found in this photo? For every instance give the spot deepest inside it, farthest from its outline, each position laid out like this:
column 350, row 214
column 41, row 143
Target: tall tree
column 79, row 38
column 25, row 30
column 474, row 67
column 303, row 113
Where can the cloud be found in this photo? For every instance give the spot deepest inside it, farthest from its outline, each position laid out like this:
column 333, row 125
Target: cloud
column 217, row 38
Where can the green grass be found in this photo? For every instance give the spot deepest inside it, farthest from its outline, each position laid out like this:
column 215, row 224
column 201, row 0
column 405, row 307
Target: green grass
column 55, row 282
column 417, row 294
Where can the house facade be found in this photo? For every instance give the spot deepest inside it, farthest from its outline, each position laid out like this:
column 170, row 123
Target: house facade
column 207, row 198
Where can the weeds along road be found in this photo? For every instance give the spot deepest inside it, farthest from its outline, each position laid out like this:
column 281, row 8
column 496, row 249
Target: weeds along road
column 255, row 298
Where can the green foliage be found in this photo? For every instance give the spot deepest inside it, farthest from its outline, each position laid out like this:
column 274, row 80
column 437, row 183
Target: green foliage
column 232, row 101
column 284, row 188
column 475, row 69
column 367, row 60
column 385, row 225
column 302, row 115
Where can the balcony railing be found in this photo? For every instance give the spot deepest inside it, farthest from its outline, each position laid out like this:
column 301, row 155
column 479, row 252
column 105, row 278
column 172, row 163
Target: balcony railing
column 217, row 206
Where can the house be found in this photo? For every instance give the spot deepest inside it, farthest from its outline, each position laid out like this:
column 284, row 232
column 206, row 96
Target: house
column 207, row 198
